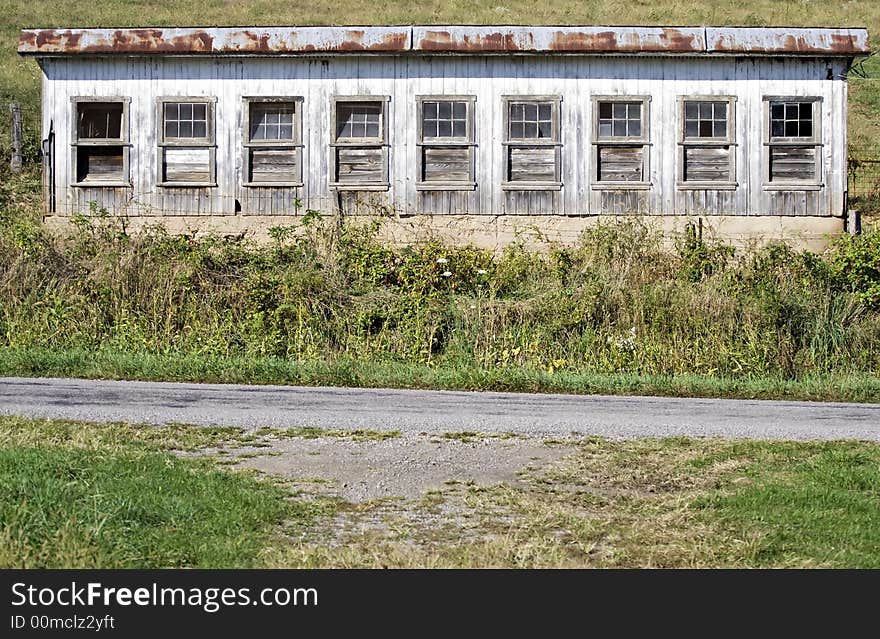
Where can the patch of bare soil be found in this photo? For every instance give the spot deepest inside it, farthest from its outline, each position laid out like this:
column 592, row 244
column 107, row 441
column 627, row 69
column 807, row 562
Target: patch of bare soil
column 405, row 467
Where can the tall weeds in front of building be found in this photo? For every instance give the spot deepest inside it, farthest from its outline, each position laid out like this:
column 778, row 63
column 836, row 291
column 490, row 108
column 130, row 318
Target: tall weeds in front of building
column 322, row 291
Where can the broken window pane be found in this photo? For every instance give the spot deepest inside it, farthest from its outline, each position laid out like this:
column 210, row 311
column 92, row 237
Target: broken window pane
column 99, row 120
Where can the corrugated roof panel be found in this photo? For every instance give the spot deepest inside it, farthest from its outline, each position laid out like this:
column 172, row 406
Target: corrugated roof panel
column 787, row 41
column 560, row 39
column 447, row 40
column 250, row 40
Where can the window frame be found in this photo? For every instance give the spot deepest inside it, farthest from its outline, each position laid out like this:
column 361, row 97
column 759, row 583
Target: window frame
column 684, row 143
column 468, row 141
column 122, row 141
column 555, row 141
column 248, row 145
column 382, row 142
column 814, row 141
column 209, row 141
column 643, row 140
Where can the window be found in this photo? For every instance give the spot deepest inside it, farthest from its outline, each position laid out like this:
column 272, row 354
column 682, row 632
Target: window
column 186, row 142
column 446, row 143
column 359, row 143
column 272, row 142
column 100, row 142
column 532, row 143
column 620, row 139
column 706, row 142
column 793, row 140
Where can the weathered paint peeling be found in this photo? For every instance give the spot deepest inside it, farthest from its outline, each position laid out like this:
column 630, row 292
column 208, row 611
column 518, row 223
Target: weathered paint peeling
column 449, row 40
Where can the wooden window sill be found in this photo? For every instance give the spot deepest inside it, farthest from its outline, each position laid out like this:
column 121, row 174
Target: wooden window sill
column 446, row 186
column 531, row 186
column 792, row 186
column 337, row 186
column 707, row 186
column 621, row 186
column 252, row 185
column 186, row 185
column 86, row 184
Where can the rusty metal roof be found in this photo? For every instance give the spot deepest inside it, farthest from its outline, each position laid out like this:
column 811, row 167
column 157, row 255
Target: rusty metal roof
column 782, row 41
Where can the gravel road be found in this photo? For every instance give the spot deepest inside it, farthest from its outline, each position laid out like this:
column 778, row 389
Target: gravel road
column 434, row 411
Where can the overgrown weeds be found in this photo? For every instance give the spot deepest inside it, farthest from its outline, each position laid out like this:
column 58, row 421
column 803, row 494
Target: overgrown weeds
column 617, row 302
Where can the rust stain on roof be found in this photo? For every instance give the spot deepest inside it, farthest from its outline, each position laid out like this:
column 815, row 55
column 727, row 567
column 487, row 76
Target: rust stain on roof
column 793, row 41
column 493, row 42
column 212, row 41
column 668, row 40
column 450, row 40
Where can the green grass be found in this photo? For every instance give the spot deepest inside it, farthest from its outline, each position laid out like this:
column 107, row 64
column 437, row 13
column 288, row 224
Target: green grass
column 666, row 503
column 83, row 495
column 863, row 387
column 804, row 504
column 19, row 78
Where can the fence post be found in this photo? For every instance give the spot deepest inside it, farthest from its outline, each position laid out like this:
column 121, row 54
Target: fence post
column 15, row 162
column 854, row 222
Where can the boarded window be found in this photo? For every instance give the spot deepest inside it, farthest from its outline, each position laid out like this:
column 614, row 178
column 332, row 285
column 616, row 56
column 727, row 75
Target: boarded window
column 706, row 158
column 707, row 164
column 793, row 141
column 532, row 143
column 359, row 143
column 100, row 154
column 272, row 148
column 620, row 163
column 620, row 140
column 446, row 148
column 792, row 163
column 187, row 165
column 186, row 134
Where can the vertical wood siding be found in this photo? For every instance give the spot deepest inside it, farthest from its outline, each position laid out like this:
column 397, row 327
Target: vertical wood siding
column 574, row 78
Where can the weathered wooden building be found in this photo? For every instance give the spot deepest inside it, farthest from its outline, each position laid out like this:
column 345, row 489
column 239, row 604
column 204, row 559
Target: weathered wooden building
column 472, row 131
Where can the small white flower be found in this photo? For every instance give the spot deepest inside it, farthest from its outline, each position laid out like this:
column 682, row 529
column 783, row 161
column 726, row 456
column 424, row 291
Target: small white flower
column 481, row 271
column 446, row 273
column 442, row 260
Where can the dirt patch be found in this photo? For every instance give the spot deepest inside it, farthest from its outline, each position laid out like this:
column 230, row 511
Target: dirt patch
column 407, row 466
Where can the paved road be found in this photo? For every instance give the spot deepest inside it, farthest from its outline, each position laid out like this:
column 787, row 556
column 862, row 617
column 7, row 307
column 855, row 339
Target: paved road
column 433, row 411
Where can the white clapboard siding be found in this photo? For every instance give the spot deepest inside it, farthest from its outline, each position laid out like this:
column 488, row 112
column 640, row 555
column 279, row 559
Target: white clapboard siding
column 575, row 79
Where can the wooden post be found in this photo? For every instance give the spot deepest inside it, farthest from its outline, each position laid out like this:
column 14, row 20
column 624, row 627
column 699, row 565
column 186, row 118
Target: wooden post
column 854, row 222
column 16, row 161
